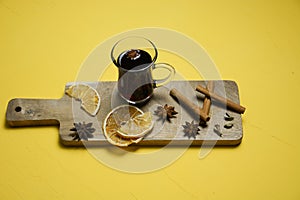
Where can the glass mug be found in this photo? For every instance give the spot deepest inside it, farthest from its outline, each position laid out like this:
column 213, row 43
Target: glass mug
column 135, row 59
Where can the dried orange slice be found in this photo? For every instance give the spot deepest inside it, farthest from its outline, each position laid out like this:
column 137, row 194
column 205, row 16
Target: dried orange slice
column 89, row 97
column 137, row 126
column 118, row 118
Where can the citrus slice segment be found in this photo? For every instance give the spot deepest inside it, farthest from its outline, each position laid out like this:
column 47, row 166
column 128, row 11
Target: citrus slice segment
column 137, row 126
column 89, row 97
column 117, row 118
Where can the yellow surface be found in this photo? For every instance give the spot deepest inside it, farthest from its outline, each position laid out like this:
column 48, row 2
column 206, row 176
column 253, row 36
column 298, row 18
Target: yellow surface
column 256, row 43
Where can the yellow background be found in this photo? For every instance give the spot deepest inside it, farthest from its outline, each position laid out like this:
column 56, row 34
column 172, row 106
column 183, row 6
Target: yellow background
column 256, row 43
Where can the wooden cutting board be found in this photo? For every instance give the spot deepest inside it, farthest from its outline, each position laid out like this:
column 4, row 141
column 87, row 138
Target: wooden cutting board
column 66, row 111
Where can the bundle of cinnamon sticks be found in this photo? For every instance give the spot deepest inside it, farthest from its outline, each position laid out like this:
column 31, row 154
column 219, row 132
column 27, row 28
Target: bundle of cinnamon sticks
column 209, row 96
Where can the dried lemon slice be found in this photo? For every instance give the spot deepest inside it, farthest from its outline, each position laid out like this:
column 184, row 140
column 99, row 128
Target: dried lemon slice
column 89, row 97
column 117, row 118
column 137, row 126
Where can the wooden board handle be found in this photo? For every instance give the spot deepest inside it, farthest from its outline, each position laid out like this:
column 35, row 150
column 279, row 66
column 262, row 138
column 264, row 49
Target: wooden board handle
column 29, row 112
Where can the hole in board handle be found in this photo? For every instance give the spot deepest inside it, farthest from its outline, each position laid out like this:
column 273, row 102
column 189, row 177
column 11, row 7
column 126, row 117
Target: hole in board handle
column 18, row 109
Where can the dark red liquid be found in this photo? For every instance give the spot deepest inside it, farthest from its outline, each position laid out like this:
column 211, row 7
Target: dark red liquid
column 135, row 78
column 134, row 59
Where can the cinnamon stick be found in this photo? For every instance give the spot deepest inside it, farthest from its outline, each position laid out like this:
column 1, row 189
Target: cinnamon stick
column 230, row 104
column 189, row 105
column 207, row 101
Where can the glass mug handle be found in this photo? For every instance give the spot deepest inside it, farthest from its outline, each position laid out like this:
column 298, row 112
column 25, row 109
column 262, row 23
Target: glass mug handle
column 163, row 81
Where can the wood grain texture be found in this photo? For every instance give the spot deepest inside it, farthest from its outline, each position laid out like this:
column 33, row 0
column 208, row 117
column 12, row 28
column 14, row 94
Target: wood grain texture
column 66, row 111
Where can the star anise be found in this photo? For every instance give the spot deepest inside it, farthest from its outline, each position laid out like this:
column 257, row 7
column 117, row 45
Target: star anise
column 165, row 112
column 82, row 131
column 133, row 54
column 191, row 129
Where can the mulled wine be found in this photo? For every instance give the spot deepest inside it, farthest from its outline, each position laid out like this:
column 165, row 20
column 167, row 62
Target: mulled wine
column 135, row 58
column 135, row 78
